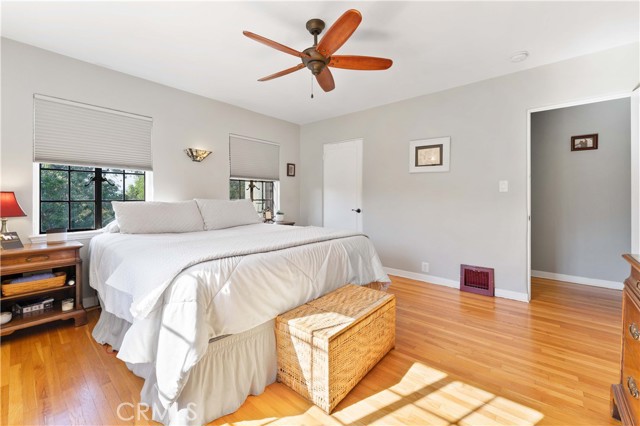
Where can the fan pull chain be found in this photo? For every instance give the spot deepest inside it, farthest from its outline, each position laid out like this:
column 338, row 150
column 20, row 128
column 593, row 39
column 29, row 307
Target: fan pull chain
column 312, row 87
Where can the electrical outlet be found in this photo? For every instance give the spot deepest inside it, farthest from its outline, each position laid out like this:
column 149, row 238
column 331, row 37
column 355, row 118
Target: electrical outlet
column 425, row 267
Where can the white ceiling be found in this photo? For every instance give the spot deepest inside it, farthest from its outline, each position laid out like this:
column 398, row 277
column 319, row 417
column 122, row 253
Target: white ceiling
column 199, row 46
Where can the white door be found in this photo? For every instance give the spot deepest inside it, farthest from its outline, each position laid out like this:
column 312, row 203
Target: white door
column 342, row 188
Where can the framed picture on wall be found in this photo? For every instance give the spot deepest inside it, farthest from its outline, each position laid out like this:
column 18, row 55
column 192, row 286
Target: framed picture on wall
column 584, row 142
column 291, row 169
column 429, row 155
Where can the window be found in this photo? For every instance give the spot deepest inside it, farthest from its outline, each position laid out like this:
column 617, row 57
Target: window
column 260, row 192
column 79, row 198
column 255, row 171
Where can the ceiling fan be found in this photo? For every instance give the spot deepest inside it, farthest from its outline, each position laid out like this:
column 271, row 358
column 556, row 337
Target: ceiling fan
column 319, row 57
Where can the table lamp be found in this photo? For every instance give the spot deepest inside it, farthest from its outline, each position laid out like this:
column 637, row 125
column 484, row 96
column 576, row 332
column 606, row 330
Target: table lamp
column 9, row 207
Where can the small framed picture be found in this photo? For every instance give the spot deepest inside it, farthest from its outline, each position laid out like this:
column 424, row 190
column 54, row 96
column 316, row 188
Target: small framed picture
column 10, row 240
column 291, row 169
column 429, row 155
column 584, row 142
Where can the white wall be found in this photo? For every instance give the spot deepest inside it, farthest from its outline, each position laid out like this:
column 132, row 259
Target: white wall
column 180, row 120
column 458, row 217
column 580, row 203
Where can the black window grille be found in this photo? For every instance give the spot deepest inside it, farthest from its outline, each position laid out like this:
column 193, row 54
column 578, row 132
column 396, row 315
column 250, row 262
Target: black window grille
column 79, row 198
column 260, row 192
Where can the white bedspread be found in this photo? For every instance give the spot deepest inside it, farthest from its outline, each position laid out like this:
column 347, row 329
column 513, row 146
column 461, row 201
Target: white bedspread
column 185, row 289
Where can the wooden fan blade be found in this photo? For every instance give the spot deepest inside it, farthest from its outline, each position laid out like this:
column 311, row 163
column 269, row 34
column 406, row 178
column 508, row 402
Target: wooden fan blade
column 275, row 45
column 339, row 32
column 283, row 72
column 325, row 80
column 352, row 62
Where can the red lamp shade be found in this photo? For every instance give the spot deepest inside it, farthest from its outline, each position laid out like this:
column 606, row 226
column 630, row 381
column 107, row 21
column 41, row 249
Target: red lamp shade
column 9, row 206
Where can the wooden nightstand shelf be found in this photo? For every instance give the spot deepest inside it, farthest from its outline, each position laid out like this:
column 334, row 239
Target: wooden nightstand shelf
column 42, row 257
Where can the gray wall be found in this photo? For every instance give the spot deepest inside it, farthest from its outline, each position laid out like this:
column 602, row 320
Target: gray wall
column 458, row 217
column 181, row 120
column 580, row 201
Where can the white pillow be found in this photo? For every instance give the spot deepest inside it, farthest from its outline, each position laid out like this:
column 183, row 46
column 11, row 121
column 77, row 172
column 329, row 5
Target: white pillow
column 155, row 217
column 220, row 214
column 111, row 228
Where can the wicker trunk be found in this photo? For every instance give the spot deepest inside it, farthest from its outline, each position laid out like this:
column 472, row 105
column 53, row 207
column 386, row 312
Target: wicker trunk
column 327, row 346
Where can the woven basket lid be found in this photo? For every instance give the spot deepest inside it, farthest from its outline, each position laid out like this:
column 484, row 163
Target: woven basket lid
column 327, row 316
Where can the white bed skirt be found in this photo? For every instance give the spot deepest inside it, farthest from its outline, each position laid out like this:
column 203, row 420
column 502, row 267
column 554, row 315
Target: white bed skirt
column 233, row 368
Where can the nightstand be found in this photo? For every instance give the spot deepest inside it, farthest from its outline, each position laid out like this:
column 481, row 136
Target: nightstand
column 285, row 223
column 35, row 258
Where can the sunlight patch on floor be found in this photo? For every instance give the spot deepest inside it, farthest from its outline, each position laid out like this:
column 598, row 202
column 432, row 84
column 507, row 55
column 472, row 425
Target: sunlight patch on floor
column 454, row 401
column 366, row 406
column 417, row 377
column 423, row 395
column 426, row 395
column 409, row 415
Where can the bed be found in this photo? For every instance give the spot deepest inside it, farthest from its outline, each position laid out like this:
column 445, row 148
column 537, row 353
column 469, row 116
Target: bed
column 193, row 312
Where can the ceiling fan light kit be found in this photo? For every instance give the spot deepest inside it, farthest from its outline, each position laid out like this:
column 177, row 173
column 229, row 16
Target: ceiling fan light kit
column 319, row 57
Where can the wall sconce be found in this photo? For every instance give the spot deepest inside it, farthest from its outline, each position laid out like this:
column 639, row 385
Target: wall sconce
column 197, row 154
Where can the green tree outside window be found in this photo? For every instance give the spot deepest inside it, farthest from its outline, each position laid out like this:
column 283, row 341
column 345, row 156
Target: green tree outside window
column 79, row 198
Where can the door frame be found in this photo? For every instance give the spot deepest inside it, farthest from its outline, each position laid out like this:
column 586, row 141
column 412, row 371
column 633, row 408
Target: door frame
column 359, row 142
column 635, row 168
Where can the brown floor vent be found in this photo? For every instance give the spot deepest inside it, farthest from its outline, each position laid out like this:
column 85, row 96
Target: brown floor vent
column 476, row 279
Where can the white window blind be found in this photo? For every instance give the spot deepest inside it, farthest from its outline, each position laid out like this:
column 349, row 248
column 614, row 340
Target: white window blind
column 67, row 132
column 253, row 159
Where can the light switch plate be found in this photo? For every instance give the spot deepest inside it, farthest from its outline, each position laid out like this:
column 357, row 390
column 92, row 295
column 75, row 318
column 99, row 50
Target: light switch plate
column 503, row 186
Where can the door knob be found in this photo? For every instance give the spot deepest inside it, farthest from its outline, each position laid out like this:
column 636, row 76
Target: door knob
column 356, row 210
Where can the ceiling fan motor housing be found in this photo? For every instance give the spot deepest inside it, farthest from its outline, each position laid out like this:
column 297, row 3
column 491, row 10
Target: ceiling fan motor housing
column 314, row 61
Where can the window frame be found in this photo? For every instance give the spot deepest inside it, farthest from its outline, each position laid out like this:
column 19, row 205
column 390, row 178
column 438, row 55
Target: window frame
column 97, row 201
column 275, row 192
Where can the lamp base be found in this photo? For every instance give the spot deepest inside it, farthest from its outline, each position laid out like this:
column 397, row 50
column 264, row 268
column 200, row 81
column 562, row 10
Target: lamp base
column 4, row 228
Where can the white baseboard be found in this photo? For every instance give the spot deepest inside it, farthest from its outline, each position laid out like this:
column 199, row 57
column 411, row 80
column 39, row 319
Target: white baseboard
column 513, row 295
column 88, row 302
column 578, row 280
column 423, row 277
column 446, row 282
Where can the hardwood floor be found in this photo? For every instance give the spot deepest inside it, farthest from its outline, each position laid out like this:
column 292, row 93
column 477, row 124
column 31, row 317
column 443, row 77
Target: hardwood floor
column 460, row 359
